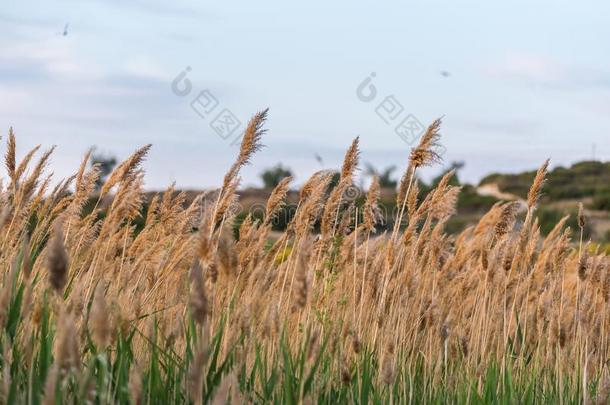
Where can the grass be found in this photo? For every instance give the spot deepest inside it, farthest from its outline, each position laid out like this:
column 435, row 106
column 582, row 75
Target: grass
column 107, row 302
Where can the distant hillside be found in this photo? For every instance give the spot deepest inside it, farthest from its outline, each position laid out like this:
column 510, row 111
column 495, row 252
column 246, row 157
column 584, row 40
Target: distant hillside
column 588, row 180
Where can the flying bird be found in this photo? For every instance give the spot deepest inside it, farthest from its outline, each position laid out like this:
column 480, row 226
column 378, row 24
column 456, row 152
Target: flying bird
column 444, row 73
column 65, row 33
column 319, row 159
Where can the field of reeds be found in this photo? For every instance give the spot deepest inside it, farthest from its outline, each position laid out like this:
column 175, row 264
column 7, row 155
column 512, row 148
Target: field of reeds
column 96, row 309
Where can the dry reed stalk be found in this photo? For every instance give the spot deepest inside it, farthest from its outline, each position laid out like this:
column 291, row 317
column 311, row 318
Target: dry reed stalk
column 198, row 299
column 336, row 199
column 50, row 387
column 22, row 166
column 506, row 220
column 302, row 285
column 196, row 380
column 465, row 293
column 227, row 258
column 250, row 144
column 276, row 200
column 10, row 157
column 67, row 352
column 125, row 169
column 57, row 260
column 535, row 191
column 422, row 155
column 100, row 318
column 310, row 184
column 135, row 386
column 371, row 212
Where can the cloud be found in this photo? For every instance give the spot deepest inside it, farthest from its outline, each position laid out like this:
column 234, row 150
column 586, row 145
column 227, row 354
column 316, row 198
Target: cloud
column 28, row 21
column 143, row 66
column 50, row 58
column 51, row 92
column 512, row 127
column 522, row 67
column 47, row 82
column 547, row 73
column 162, row 8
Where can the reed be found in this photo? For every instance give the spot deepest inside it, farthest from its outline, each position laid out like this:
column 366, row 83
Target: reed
column 160, row 302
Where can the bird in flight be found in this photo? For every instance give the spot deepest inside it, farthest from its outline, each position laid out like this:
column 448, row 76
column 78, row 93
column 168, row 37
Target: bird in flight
column 444, row 73
column 65, row 33
column 319, row 159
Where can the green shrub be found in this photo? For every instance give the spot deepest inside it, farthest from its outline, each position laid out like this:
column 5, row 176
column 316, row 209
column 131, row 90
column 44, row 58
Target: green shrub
column 548, row 218
column 601, row 201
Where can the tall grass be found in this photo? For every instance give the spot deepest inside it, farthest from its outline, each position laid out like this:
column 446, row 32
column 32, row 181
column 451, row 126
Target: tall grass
column 97, row 309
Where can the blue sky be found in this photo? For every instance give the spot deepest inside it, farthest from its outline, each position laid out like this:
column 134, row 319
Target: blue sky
column 527, row 80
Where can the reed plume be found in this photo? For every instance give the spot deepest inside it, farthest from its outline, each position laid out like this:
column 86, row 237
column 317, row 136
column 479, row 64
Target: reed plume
column 57, row 260
column 276, row 199
column 100, row 318
column 371, row 207
column 425, row 153
column 535, row 190
column 250, row 144
column 125, row 169
column 336, row 198
column 172, row 300
column 10, row 157
column 301, row 290
column 198, row 300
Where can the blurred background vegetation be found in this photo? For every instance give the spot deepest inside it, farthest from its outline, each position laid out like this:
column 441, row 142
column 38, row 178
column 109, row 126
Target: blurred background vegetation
column 588, row 179
column 587, row 182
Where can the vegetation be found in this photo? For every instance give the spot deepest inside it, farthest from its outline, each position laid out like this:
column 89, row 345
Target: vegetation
column 385, row 178
column 548, row 218
column 105, row 165
column 272, row 177
column 97, row 309
column 601, row 201
column 583, row 179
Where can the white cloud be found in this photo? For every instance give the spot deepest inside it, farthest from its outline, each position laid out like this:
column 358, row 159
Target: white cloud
column 524, row 67
column 145, row 67
column 55, row 57
column 545, row 72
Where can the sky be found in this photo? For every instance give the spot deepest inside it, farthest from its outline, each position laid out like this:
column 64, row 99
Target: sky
column 515, row 82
